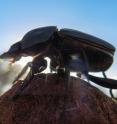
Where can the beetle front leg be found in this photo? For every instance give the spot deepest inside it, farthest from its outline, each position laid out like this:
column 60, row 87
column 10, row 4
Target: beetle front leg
column 37, row 66
column 25, row 82
column 22, row 72
column 23, row 85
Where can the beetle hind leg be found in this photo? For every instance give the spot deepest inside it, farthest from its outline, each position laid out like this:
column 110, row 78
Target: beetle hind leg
column 110, row 90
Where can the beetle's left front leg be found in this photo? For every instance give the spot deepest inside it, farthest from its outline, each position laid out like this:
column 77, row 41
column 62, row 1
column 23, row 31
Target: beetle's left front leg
column 23, row 85
column 36, row 67
column 22, row 72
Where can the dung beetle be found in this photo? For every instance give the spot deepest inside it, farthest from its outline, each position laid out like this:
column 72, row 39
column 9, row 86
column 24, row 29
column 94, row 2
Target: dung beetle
column 91, row 54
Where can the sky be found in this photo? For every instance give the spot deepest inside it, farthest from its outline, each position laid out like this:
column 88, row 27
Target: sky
column 96, row 17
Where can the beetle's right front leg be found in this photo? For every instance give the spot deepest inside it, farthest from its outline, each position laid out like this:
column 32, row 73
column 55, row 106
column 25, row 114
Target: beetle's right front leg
column 23, row 85
column 24, row 82
column 29, row 64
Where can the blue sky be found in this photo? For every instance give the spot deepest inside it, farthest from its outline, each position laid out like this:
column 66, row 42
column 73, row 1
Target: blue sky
column 96, row 17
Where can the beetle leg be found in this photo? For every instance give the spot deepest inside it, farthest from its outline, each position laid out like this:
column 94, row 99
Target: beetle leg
column 111, row 93
column 110, row 90
column 22, row 72
column 79, row 66
column 59, row 55
column 82, row 70
column 36, row 67
column 60, row 73
column 57, row 62
column 67, row 77
column 23, row 85
column 67, row 84
column 104, row 74
column 86, row 63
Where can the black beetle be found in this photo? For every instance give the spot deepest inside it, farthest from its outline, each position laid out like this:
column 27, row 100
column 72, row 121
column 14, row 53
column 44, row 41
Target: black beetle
column 92, row 54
